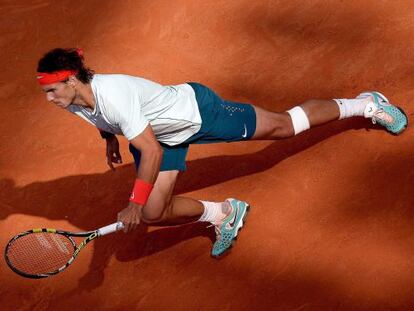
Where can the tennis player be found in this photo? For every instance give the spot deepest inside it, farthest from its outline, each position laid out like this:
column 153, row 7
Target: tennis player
column 160, row 122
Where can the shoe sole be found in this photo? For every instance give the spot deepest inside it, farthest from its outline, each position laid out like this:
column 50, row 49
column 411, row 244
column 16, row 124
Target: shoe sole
column 240, row 225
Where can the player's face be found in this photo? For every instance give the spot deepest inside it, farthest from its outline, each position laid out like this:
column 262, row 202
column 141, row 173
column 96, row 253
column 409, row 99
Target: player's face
column 60, row 93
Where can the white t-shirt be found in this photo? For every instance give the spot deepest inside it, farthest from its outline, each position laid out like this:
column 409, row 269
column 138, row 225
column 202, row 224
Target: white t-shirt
column 126, row 104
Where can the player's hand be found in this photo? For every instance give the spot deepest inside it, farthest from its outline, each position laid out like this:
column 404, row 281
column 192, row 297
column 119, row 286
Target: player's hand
column 112, row 152
column 130, row 216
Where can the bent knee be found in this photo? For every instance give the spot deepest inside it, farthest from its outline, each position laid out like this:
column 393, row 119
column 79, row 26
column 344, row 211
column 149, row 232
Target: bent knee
column 150, row 216
column 154, row 213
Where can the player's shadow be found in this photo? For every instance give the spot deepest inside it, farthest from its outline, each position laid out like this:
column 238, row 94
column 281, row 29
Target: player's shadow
column 91, row 201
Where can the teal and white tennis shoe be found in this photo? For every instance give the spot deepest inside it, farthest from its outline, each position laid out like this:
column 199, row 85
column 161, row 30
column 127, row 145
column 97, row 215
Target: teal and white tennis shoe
column 227, row 231
column 382, row 112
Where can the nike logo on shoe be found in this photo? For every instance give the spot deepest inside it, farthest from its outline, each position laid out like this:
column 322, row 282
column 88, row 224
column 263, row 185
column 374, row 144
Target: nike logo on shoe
column 244, row 135
column 231, row 223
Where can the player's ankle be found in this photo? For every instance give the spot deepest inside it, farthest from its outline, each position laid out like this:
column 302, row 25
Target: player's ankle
column 213, row 211
column 226, row 210
column 352, row 107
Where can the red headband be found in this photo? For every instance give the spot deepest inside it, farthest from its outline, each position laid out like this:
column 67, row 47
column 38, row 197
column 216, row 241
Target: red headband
column 53, row 77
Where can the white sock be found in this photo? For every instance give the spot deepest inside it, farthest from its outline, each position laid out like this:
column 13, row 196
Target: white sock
column 214, row 212
column 352, row 107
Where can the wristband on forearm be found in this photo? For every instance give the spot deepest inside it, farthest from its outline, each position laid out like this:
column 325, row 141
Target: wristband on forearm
column 106, row 135
column 140, row 192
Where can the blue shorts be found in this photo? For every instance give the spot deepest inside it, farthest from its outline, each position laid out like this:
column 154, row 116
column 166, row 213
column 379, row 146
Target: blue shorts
column 221, row 121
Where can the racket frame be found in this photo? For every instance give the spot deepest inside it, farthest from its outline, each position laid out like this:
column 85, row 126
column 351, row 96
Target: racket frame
column 90, row 235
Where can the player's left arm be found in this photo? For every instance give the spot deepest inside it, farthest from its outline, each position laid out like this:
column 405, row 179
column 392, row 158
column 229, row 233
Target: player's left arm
column 112, row 149
column 147, row 173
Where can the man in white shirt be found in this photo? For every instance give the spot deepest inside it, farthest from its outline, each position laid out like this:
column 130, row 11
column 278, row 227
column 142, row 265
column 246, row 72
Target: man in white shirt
column 160, row 122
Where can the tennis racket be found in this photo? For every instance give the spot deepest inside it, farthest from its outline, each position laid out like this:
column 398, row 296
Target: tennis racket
column 40, row 253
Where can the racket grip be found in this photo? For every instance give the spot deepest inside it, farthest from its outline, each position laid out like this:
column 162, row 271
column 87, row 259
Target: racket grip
column 110, row 228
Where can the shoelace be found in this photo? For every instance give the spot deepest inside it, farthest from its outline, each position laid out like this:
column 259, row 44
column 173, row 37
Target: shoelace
column 381, row 115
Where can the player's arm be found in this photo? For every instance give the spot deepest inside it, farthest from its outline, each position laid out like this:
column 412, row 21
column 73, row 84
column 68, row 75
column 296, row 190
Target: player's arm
column 105, row 135
column 149, row 167
column 112, row 149
column 151, row 155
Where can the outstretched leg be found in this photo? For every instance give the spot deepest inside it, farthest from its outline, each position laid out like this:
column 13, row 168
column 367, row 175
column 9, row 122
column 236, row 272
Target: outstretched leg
column 273, row 125
column 373, row 105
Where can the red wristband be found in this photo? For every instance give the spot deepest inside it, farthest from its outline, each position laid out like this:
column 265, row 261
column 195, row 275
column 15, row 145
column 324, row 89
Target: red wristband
column 141, row 192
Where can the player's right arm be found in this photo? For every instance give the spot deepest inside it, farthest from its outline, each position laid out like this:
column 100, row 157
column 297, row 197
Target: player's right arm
column 147, row 173
column 151, row 154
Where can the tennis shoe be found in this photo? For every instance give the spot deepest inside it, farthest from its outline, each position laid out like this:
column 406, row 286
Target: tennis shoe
column 227, row 230
column 382, row 112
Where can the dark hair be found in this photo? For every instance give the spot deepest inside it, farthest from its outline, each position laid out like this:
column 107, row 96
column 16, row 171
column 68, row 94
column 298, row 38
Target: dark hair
column 65, row 59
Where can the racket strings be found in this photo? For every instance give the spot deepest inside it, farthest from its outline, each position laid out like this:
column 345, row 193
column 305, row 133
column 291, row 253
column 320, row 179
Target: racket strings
column 39, row 253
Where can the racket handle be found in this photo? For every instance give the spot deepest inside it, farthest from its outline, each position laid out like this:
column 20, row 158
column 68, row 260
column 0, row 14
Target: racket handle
column 110, row 228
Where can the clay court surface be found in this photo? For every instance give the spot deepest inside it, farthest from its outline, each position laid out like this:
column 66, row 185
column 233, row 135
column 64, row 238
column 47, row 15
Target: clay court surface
column 332, row 219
